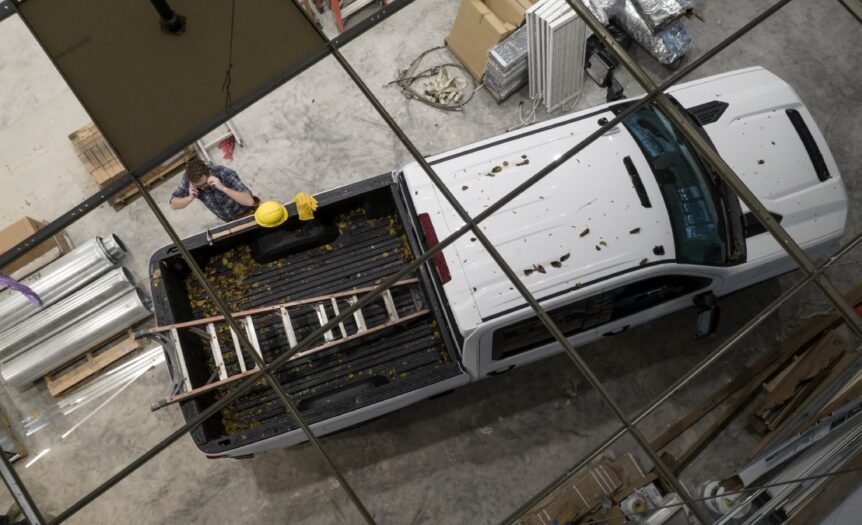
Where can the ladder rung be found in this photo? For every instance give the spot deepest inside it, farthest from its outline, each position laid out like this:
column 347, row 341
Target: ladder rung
column 390, row 305
column 236, row 136
column 340, row 324
column 240, row 359
column 175, row 337
column 273, row 308
column 216, row 349
column 357, row 315
column 252, row 336
column 236, row 377
column 216, row 141
column 321, row 316
column 288, row 327
column 351, row 9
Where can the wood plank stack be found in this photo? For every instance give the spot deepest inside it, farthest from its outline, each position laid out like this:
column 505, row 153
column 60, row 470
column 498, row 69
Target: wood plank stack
column 105, row 167
column 785, row 380
column 596, row 494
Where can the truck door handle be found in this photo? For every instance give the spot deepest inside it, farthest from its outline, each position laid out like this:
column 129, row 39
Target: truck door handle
column 617, row 331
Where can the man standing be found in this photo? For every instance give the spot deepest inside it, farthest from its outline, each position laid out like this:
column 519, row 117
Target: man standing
column 218, row 187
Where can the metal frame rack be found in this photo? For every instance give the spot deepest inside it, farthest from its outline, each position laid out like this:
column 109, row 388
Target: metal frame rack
column 655, row 95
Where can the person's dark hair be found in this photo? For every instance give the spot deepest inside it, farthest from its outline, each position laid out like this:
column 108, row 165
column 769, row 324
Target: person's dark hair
column 195, row 170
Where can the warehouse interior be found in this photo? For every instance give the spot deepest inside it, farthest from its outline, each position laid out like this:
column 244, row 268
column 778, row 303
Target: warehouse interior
column 482, row 452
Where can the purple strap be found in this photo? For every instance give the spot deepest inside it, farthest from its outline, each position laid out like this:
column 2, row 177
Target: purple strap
column 31, row 296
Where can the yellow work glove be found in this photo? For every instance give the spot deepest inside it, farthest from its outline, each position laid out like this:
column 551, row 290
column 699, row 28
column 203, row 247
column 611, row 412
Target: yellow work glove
column 305, row 206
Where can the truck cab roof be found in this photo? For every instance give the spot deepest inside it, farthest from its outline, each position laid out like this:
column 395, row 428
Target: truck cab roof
column 583, row 222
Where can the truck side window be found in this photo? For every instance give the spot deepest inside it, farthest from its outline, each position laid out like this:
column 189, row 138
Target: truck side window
column 572, row 319
column 594, row 311
column 642, row 295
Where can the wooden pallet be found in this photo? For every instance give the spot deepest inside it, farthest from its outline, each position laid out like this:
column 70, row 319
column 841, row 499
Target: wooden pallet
column 90, row 364
column 99, row 158
column 105, row 167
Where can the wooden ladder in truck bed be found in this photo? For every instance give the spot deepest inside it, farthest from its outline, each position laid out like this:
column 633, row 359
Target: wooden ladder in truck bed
column 331, row 338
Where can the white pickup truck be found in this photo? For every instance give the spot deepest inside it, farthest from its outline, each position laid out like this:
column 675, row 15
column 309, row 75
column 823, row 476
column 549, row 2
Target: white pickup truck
column 633, row 228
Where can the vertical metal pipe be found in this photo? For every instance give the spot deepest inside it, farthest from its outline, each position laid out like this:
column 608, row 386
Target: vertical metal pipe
column 61, row 278
column 550, row 325
column 77, row 339
column 70, row 310
column 171, row 22
column 19, row 492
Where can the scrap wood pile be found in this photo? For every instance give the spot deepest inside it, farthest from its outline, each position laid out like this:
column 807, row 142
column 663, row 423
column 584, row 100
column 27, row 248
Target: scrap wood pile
column 609, row 491
column 805, row 401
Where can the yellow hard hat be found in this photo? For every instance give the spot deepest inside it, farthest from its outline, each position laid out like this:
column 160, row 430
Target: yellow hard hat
column 270, row 214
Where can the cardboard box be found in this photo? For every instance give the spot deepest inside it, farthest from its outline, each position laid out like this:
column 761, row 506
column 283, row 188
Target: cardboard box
column 479, row 26
column 510, row 11
column 37, row 257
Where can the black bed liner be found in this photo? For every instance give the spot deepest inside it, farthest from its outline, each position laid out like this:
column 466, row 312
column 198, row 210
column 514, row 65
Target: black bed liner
column 373, row 244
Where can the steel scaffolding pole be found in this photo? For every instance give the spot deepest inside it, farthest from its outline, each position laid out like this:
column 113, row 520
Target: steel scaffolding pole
column 283, row 396
column 244, row 386
column 664, row 471
column 680, row 383
column 282, row 359
column 19, row 491
column 708, row 153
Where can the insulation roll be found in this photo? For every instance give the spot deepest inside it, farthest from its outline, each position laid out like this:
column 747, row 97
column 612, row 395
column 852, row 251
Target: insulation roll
column 61, row 278
column 70, row 310
column 667, row 45
column 660, row 13
column 77, row 339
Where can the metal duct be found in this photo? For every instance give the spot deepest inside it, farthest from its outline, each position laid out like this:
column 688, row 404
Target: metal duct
column 80, row 337
column 61, row 278
column 557, row 47
column 659, row 13
column 49, row 321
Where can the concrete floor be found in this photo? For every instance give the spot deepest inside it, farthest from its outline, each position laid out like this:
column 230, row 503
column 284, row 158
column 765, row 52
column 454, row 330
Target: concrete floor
column 471, row 456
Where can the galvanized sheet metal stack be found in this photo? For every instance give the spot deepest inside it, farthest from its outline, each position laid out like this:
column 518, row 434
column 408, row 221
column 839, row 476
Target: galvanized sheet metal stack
column 557, row 44
column 506, row 71
column 87, row 301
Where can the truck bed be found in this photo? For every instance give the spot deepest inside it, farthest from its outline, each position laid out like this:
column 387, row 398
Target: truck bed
column 369, row 243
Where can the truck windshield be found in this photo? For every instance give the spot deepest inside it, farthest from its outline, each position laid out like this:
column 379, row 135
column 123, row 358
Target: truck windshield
column 692, row 198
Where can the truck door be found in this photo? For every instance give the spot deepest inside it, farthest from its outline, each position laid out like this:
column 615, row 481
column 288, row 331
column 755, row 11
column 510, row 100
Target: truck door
column 643, row 299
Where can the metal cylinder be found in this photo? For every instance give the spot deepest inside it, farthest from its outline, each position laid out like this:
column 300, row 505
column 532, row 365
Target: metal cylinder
column 77, row 339
column 49, row 321
column 61, row 278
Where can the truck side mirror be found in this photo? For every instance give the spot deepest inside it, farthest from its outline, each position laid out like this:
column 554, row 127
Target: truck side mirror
column 707, row 314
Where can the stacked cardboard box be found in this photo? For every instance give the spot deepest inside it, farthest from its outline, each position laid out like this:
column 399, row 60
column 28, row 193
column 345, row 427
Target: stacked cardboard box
column 479, row 26
column 36, row 258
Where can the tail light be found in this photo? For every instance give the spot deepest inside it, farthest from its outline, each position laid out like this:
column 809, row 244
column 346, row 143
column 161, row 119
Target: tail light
column 430, row 242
